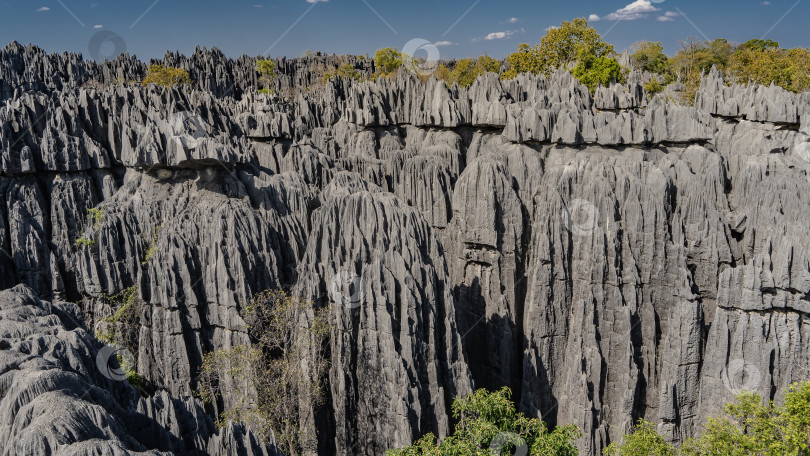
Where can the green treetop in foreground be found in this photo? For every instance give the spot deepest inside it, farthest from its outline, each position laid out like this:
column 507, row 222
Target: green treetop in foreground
column 488, row 424
column 752, row 426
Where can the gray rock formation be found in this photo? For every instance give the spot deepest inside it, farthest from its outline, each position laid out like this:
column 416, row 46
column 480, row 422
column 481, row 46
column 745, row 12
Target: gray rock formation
column 608, row 257
column 64, row 393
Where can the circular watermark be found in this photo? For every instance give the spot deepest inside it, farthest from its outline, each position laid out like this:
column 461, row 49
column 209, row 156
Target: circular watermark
column 580, row 217
column 188, row 128
column 113, row 362
column 740, row 377
column 347, row 289
column 106, row 45
column 515, row 445
column 423, row 66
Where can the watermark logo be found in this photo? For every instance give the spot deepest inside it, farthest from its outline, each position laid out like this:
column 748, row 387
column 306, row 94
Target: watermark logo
column 347, row 288
column 508, row 443
column 580, row 217
column 423, row 66
column 740, row 377
column 106, row 45
column 113, row 362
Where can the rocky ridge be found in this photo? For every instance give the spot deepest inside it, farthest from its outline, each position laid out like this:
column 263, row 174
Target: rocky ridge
column 608, row 257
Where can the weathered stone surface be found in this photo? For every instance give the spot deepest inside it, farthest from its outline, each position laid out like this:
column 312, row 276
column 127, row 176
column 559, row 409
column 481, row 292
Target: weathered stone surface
column 608, row 257
column 64, row 393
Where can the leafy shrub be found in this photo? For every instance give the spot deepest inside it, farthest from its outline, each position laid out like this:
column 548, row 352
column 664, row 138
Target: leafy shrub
column 96, row 215
column 466, row 70
column 122, row 326
column 346, row 71
column 273, row 382
column 557, row 49
column 150, row 250
column 166, row 76
column 643, row 441
column 653, row 88
column 488, row 423
column 387, row 61
column 267, row 74
column 594, row 71
column 84, row 242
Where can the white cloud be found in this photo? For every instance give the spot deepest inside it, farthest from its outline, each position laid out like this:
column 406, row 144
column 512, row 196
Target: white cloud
column 669, row 16
column 513, row 20
column 98, row 26
column 765, row 3
column 594, row 18
column 444, row 43
column 316, row 1
column 258, row 6
column 43, row 8
column 502, row 35
column 639, row 9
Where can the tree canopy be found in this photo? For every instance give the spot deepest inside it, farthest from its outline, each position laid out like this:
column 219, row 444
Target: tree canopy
column 488, row 423
column 559, row 47
column 166, row 76
column 388, row 60
column 751, row 426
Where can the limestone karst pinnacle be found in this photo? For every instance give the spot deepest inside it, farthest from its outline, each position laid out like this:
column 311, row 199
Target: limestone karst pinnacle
column 608, row 257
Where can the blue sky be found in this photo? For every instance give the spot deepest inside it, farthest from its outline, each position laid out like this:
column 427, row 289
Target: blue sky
column 148, row 28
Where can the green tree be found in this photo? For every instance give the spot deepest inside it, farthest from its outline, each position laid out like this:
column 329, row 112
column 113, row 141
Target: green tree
column 643, row 441
column 387, row 60
column 759, row 427
column 166, row 76
column 759, row 44
column 488, row 423
column 653, row 87
column 558, row 48
column 594, row 71
column 273, row 382
column 649, row 56
column 267, row 74
column 751, row 426
column 695, row 58
column 786, row 68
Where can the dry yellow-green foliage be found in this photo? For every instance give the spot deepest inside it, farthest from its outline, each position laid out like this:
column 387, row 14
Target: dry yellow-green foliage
column 166, row 76
column 388, row 61
column 267, row 74
column 787, row 68
column 279, row 377
column 346, row 71
column 466, row 70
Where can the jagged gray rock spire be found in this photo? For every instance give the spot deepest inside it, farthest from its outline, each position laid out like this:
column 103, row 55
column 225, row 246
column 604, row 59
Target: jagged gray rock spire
column 64, row 393
column 608, row 257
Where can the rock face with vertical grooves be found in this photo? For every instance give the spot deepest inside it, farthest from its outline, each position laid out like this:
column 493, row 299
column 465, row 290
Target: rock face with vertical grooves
column 608, row 257
column 66, row 394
